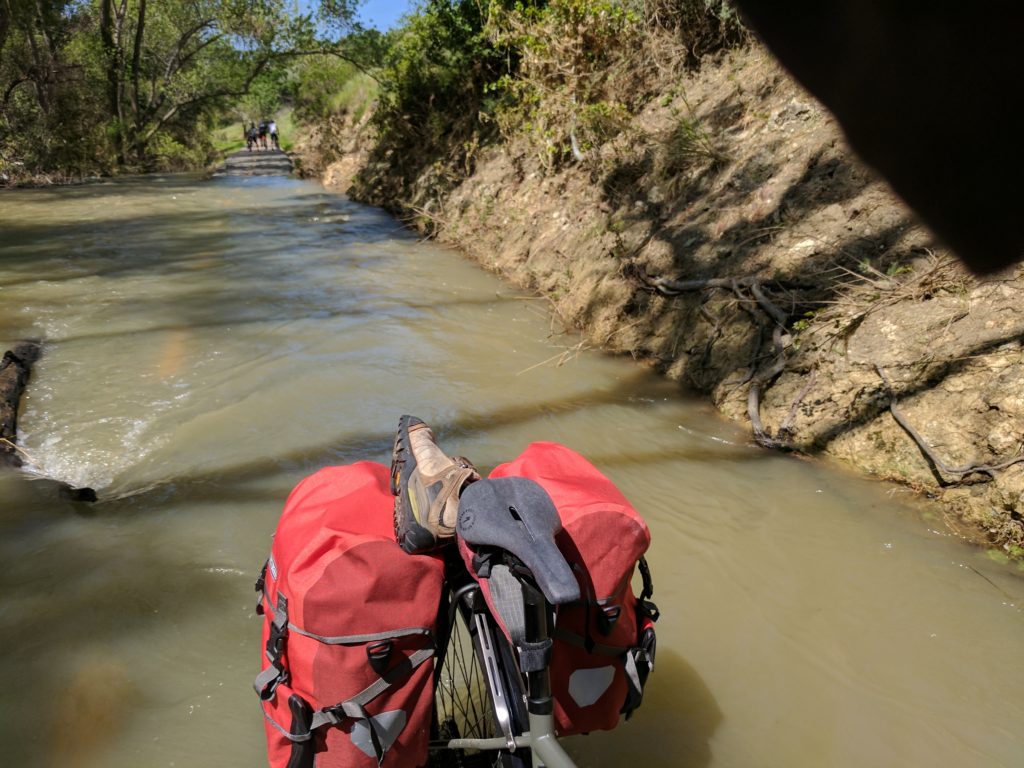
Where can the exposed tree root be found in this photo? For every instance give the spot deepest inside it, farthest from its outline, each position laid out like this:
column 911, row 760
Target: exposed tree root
column 760, row 381
column 939, row 467
column 753, row 299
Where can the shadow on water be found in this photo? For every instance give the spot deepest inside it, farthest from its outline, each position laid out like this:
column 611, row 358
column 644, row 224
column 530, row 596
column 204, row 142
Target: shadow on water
column 679, row 715
column 353, row 305
column 148, row 236
column 224, row 480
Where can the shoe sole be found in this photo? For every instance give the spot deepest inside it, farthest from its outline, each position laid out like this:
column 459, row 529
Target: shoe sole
column 410, row 535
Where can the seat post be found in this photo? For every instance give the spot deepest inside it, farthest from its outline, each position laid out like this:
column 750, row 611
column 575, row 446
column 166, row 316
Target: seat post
column 536, row 636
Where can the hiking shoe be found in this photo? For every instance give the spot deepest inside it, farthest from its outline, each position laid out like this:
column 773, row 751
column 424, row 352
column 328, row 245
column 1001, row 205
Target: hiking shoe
column 426, row 483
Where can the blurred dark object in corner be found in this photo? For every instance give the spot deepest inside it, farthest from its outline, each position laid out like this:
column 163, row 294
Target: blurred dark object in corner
column 928, row 94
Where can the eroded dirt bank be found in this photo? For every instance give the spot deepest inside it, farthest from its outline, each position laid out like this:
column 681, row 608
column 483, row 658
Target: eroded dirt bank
column 729, row 238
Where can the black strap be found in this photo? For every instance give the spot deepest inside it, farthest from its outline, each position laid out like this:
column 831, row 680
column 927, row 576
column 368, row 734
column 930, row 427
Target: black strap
column 483, row 561
column 261, row 582
column 534, row 657
column 590, row 647
column 639, row 664
column 645, row 574
column 648, row 609
column 378, row 748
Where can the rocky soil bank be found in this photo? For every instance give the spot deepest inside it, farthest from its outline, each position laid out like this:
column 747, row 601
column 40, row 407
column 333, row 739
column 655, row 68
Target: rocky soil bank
column 729, row 238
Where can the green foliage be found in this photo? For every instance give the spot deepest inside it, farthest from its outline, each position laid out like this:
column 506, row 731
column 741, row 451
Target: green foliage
column 229, row 138
column 600, row 122
column 578, row 83
column 286, row 129
column 356, row 96
column 580, row 80
column 264, row 97
column 342, row 80
column 96, row 85
column 441, row 61
column 323, row 86
column 337, row 15
column 47, row 119
column 167, row 153
column 434, row 96
column 804, row 322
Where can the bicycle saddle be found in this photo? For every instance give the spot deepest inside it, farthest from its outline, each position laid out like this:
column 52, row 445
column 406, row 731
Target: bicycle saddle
column 517, row 515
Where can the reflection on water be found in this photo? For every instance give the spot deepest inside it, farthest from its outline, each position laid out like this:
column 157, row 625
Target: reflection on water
column 208, row 343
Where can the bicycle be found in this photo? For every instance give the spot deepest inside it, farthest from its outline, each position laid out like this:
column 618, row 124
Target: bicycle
column 493, row 702
column 373, row 652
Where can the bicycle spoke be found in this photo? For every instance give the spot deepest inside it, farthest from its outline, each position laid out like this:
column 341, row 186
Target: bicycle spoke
column 464, row 704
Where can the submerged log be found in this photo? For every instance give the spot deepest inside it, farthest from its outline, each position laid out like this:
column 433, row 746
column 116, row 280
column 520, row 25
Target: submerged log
column 15, row 368
column 14, row 372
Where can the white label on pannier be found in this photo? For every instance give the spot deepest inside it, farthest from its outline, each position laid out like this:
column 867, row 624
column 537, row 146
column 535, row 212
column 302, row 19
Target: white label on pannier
column 273, row 567
column 586, row 686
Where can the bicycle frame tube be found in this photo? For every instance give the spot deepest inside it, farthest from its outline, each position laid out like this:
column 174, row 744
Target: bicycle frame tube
column 546, row 749
column 547, row 752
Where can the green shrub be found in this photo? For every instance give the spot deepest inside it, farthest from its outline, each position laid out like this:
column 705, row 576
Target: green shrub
column 435, row 101
column 316, row 83
column 689, row 144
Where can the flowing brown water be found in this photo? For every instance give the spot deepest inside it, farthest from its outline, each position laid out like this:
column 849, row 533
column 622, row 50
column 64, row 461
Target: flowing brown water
column 208, row 343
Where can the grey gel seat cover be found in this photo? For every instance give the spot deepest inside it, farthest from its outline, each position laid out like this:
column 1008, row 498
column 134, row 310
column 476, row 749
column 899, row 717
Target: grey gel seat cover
column 517, row 515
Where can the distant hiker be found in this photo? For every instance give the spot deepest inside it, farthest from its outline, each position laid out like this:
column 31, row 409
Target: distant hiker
column 250, row 136
column 263, row 134
column 272, row 128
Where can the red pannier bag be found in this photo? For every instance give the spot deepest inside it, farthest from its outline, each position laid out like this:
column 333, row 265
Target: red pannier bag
column 349, row 628
column 604, row 645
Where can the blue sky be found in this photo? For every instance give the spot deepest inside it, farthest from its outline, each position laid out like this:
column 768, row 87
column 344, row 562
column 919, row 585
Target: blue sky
column 384, row 14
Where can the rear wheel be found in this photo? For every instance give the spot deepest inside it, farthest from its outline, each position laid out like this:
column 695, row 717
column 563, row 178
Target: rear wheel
column 465, row 704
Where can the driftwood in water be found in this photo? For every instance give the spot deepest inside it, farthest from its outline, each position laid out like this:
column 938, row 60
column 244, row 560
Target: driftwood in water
column 15, row 368
column 14, row 372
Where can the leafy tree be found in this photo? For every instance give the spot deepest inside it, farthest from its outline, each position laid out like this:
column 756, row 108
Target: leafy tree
column 435, row 82
column 168, row 63
column 101, row 84
column 44, row 94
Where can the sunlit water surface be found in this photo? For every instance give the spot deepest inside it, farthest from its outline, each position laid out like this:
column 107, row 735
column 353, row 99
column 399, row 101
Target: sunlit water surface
column 209, row 343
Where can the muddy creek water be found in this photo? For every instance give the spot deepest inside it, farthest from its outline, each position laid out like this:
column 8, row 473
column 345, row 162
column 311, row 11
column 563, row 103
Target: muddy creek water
column 210, row 342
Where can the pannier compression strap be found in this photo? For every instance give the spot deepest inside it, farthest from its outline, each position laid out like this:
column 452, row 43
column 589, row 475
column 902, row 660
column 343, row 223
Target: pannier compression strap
column 355, row 707
column 360, row 639
column 268, row 680
column 578, row 642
